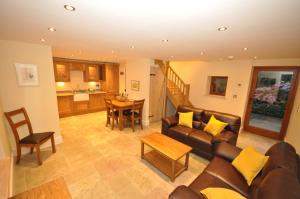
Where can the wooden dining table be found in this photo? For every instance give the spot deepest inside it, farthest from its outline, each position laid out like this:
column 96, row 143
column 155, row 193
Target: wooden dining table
column 121, row 106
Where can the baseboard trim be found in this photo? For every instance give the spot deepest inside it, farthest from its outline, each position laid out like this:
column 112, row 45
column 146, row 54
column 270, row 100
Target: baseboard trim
column 58, row 140
column 11, row 177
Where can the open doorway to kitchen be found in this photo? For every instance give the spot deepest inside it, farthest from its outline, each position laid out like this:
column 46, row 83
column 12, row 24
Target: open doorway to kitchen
column 271, row 100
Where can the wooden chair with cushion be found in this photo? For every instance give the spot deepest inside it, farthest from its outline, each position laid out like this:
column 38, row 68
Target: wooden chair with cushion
column 136, row 113
column 111, row 113
column 33, row 140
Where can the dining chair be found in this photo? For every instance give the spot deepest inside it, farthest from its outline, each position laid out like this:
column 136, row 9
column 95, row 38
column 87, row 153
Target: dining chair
column 111, row 113
column 137, row 113
column 33, row 140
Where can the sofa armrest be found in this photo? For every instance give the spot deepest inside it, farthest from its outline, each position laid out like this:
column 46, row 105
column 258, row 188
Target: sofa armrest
column 226, row 136
column 227, row 151
column 183, row 192
column 170, row 121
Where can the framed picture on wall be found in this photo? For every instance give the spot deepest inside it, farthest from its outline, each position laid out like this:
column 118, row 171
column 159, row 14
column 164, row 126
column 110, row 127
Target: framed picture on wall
column 218, row 85
column 135, row 85
column 27, row 74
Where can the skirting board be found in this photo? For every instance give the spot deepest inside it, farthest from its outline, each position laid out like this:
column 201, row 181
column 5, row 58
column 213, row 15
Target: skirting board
column 11, row 177
column 25, row 150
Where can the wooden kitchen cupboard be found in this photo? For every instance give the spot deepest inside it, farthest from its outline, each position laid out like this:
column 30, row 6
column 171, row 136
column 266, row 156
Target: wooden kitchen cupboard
column 96, row 102
column 91, row 73
column 111, row 84
column 65, row 105
column 61, row 71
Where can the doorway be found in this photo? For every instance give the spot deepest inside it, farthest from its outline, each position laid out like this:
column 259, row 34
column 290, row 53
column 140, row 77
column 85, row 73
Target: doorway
column 157, row 94
column 271, row 100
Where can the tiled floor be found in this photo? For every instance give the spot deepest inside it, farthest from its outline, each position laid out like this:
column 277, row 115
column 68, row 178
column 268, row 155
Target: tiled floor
column 97, row 162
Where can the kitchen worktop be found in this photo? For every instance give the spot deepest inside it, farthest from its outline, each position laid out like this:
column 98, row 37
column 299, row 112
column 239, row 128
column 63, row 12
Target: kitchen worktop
column 71, row 93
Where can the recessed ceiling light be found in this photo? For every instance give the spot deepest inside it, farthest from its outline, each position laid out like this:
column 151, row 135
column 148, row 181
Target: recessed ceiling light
column 230, row 57
column 43, row 40
column 201, row 53
column 245, row 49
column 112, row 51
column 52, row 29
column 255, row 57
column 165, row 40
column 222, row 28
column 132, row 47
column 172, row 56
column 69, row 8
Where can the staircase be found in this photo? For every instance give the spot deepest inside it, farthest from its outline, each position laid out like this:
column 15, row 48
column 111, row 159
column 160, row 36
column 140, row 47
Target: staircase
column 177, row 91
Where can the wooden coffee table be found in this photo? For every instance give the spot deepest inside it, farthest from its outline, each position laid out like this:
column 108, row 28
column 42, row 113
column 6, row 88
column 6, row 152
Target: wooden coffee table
column 165, row 154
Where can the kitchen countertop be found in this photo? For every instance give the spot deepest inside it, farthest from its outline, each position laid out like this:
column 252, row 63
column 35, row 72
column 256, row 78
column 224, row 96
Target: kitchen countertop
column 70, row 93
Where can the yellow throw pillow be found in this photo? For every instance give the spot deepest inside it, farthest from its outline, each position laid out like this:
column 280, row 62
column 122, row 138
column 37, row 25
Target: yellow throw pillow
column 186, row 119
column 221, row 193
column 249, row 163
column 215, row 126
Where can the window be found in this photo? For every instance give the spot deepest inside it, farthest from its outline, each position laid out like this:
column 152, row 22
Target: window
column 218, row 85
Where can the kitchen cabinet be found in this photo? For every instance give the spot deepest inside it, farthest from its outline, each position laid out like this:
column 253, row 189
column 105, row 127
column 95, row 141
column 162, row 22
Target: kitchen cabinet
column 91, row 73
column 65, row 105
column 78, row 66
column 96, row 102
column 61, row 71
column 81, row 107
column 102, row 72
column 111, row 84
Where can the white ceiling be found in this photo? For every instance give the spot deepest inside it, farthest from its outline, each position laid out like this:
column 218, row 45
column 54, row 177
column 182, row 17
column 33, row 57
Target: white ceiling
column 269, row 28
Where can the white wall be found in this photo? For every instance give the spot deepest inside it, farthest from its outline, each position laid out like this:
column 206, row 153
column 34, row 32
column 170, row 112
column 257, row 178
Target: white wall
column 137, row 69
column 238, row 72
column 39, row 101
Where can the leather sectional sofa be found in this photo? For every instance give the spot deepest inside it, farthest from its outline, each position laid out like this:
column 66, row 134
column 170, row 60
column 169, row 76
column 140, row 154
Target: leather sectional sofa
column 202, row 143
column 278, row 179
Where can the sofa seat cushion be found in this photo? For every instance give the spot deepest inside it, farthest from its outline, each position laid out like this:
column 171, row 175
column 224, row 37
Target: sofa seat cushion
column 205, row 180
column 201, row 136
column 224, row 170
column 181, row 130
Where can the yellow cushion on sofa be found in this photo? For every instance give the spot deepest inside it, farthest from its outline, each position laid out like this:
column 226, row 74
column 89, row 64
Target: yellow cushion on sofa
column 221, row 193
column 249, row 163
column 215, row 126
column 186, row 119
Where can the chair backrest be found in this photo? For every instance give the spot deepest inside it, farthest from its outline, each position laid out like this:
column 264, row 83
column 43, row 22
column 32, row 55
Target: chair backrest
column 15, row 125
column 108, row 103
column 138, row 105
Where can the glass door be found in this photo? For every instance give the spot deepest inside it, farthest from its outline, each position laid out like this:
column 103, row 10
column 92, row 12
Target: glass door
column 271, row 100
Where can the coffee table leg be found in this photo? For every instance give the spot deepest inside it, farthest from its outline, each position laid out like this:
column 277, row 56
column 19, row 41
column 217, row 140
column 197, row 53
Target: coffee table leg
column 173, row 170
column 142, row 150
column 187, row 161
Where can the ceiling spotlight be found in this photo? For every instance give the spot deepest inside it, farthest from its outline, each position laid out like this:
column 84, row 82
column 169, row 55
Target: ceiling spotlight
column 230, row 57
column 132, row 47
column 245, row 49
column 255, row 57
column 222, row 28
column 165, row 40
column 69, row 8
column 52, row 29
column 43, row 40
column 172, row 56
column 112, row 52
column 201, row 53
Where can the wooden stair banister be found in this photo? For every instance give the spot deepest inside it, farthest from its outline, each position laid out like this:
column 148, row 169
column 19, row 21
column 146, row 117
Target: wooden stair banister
column 177, row 90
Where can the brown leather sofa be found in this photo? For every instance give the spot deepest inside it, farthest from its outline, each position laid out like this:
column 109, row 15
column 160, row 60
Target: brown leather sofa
column 278, row 179
column 202, row 143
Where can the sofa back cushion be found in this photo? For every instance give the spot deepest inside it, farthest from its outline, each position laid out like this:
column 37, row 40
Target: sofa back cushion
column 234, row 122
column 278, row 184
column 197, row 114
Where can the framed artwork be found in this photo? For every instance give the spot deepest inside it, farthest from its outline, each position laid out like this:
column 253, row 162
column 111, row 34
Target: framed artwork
column 27, row 74
column 218, row 85
column 135, row 85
